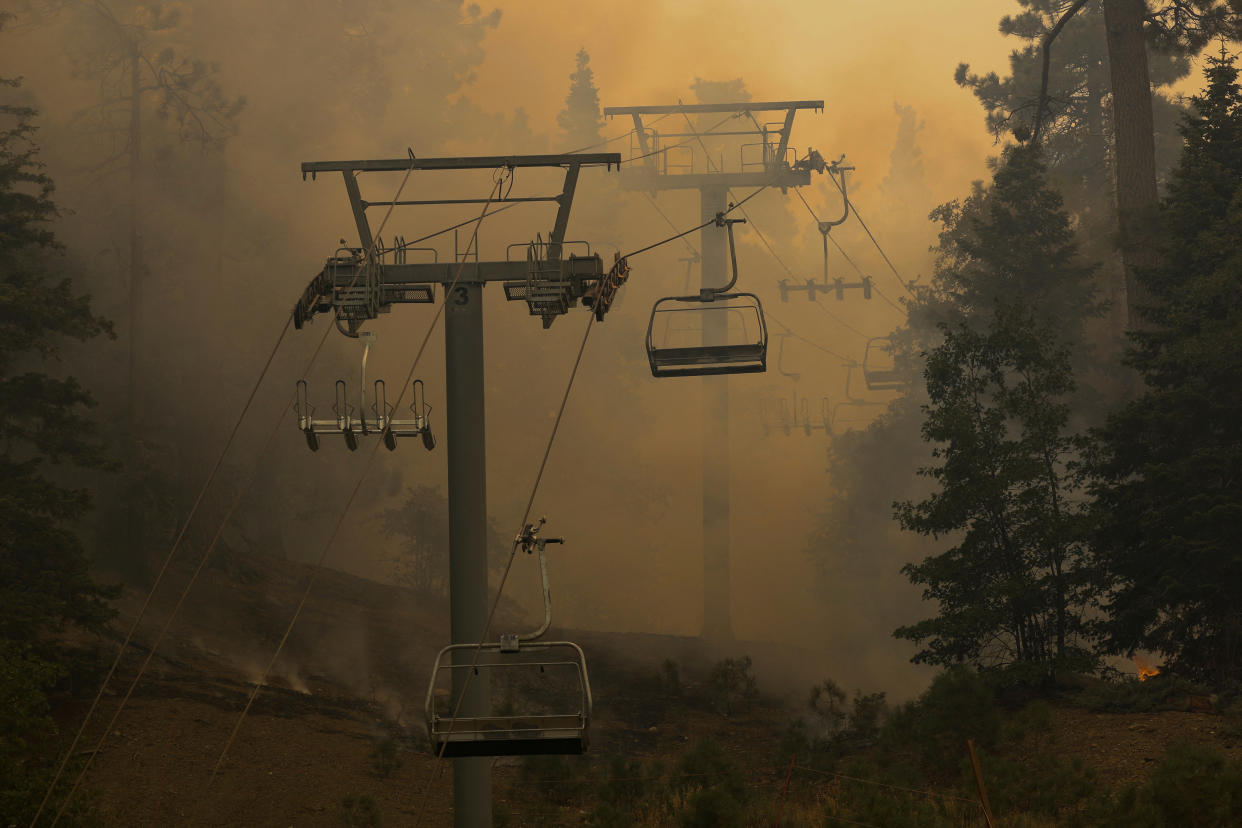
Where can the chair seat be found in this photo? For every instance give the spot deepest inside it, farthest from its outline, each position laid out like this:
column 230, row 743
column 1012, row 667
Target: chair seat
column 509, row 735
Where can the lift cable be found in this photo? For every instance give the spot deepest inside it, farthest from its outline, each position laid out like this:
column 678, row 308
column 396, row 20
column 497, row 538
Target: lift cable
column 202, row 562
column 348, row 503
column 682, row 234
column 607, row 141
column 159, row 578
column 669, row 221
column 837, row 244
column 815, row 345
column 887, row 261
column 526, row 514
column 710, row 130
column 845, row 361
column 764, row 239
column 478, row 649
column 172, row 553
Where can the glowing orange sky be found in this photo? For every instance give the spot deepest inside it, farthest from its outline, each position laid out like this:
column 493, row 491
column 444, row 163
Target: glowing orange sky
column 857, row 60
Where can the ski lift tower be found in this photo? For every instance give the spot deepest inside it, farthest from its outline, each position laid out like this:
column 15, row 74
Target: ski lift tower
column 359, row 283
column 679, row 158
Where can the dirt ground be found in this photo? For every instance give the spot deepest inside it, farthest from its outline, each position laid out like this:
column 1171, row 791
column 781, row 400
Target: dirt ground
column 355, row 672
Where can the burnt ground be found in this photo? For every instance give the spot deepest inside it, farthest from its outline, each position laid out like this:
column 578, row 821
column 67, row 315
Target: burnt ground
column 355, row 674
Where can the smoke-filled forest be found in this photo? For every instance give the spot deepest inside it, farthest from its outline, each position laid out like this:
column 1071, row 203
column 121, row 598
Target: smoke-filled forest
column 853, row 437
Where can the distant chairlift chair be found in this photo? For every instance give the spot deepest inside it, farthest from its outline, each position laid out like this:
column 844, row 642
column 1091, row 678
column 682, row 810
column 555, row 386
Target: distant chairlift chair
column 879, row 369
column 744, row 355
column 559, row 730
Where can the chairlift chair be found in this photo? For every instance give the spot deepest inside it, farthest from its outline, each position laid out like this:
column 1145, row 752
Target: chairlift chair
column 350, row 422
column 742, row 354
column 560, row 732
column 879, row 370
column 563, row 729
column 850, row 400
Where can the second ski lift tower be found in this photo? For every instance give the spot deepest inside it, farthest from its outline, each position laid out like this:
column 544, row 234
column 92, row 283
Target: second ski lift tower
column 679, row 159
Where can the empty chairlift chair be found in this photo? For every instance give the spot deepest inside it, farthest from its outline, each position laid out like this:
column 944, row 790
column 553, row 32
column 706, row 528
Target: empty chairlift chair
column 734, row 333
column 879, row 369
column 549, row 675
column 543, row 686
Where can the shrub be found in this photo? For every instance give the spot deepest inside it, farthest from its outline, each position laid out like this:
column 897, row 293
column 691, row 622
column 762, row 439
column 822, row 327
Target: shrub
column 1126, row 694
column 359, row 811
column 386, row 757
column 959, row 705
column 731, row 687
column 670, row 679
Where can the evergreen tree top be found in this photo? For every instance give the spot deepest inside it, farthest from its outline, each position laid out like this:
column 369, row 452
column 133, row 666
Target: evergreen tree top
column 1195, row 283
column 581, row 118
column 1009, row 243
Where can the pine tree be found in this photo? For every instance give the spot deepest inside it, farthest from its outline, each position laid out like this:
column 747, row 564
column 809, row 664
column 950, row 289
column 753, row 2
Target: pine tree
column 45, row 583
column 1009, row 591
column 581, row 119
column 1169, row 496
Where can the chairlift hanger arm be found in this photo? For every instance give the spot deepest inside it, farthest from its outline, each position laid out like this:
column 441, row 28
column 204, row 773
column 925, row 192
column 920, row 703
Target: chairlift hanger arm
column 835, row 169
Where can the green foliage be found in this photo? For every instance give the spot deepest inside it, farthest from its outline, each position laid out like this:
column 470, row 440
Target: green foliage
column 711, row 808
column 1039, row 782
column 708, row 786
column 46, row 587
column 581, row 118
column 1126, row 694
column 730, row 686
column 835, row 729
column 1010, row 591
column 1194, row 787
column 1168, row 495
column 1075, row 132
column 359, row 811
column 557, row 780
column 873, row 804
column 630, row 787
column 959, row 705
column 385, row 756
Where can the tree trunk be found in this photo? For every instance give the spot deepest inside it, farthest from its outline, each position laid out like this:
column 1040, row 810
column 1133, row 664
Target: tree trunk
column 1133, row 138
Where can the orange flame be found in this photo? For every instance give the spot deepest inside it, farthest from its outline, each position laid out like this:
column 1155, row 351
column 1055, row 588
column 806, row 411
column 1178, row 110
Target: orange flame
column 1145, row 668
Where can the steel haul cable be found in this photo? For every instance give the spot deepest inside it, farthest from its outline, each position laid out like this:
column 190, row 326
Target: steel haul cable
column 543, row 463
column 526, row 516
column 695, row 251
column 159, row 578
column 341, row 518
column 887, row 261
column 769, row 247
column 206, row 555
column 837, row 245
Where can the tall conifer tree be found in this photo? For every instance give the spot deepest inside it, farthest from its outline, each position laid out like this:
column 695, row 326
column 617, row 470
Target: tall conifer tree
column 1013, row 295
column 581, row 118
column 1170, row 489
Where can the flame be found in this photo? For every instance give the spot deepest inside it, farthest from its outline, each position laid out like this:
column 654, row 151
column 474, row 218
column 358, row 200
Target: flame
column 1145, row 668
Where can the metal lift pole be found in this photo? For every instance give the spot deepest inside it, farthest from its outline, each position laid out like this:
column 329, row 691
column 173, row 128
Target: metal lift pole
column 717, row 623
column 467, row 484
column 549, row 284
column 653, row 173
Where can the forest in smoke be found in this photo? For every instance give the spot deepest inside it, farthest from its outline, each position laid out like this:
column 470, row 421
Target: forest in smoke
column 1010, row 468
